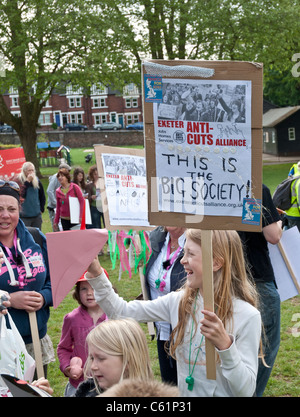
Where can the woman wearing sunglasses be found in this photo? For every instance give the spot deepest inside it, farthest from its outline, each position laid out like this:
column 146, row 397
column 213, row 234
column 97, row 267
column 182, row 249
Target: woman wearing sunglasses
column 24, row 271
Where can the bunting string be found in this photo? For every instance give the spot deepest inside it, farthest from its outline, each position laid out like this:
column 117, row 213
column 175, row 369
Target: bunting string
column 129, row 246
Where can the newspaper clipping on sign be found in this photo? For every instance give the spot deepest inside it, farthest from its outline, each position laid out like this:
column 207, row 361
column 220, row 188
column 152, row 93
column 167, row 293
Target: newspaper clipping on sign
column 203, row 146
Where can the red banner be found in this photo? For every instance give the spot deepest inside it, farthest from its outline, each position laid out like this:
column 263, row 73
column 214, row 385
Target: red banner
column 11, row 161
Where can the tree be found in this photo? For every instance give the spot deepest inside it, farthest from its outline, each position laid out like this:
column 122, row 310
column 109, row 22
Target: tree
column 264, row 31
column 46, row 42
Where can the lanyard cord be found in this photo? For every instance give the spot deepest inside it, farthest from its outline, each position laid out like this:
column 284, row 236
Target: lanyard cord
column 160, row 282
column 189, row 379
column 17, row 247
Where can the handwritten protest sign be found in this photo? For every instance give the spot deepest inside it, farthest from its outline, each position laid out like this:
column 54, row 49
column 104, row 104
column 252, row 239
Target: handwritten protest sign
column 123, row 186
column 203, row 140
column 203, row 144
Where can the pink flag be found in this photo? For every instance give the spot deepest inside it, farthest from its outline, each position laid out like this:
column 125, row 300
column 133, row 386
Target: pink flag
column 70, row 253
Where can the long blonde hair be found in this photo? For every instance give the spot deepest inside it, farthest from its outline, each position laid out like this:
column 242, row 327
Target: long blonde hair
column 122, row 337
column 230, row 281
column 23, row 176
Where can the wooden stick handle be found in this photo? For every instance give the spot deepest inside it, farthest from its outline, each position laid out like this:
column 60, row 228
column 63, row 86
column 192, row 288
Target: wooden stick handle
column 208, row 297
column 150, row 324
column 288, row 265
column 36, row 344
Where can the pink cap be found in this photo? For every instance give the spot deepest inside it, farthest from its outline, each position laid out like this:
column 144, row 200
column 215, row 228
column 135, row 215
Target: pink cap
column 83, row 278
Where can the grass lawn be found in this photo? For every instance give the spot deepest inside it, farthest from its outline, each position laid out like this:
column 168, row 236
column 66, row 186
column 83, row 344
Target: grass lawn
column 285, row 378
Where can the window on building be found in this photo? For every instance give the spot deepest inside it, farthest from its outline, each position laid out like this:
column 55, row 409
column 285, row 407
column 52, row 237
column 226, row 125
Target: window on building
column 74, row 102
column 132, row 118
column 292, row 133
column 113, row 117
column 64, row 118
column 266, row 137
column 99, row 102
column 15, row 101
column 45, row 119
column 98, row 89
column 96, row 103
column 131, row 102
column 76, row 118
column 97, row 119
column 100, row 118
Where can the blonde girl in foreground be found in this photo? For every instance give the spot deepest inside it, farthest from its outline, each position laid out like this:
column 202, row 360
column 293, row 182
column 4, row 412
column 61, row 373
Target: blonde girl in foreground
column 235, row 328
column 117, row 349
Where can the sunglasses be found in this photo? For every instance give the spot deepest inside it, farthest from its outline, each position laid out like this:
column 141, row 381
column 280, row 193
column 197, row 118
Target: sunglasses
column 11, row 184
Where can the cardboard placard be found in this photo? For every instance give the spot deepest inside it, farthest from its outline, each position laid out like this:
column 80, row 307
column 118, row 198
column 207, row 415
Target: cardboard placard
column 203, row 141
column 135, row 183
column 219, row 159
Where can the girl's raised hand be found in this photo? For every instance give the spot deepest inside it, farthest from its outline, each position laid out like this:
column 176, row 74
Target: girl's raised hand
column 94, row 269
column 212, row 328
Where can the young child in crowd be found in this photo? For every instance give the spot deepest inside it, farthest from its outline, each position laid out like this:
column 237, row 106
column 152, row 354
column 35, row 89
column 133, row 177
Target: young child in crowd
column 117, row 350
column 71, row 350
column 234, row 329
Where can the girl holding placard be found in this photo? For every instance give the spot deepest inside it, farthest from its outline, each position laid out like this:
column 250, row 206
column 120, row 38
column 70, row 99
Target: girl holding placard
column 234, row 329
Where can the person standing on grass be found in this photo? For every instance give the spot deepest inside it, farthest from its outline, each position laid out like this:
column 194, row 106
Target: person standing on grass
column 51, row 192
column 258, row 259
column 79, row 179
column 165, row 273
column 33, row 196
column 24, row 272
column 66, row 190
column 292, row 214
column 94, row 198
column 234, row 330
column 71, row 350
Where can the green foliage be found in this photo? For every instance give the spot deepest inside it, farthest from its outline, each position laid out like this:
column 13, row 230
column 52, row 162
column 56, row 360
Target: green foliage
column 48, row 42
column 281, row 87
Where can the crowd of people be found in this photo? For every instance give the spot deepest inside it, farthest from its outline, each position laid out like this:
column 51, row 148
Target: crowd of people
column 102, row 345
column 204, row 103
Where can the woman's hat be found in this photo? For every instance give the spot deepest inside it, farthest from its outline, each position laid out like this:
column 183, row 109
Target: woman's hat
column 10, row 188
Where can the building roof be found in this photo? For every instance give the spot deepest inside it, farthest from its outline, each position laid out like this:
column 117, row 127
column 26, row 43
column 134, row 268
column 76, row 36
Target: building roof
column 274, row 116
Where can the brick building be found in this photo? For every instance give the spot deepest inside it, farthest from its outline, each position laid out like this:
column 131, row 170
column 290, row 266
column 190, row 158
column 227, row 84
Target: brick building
column 69, row 105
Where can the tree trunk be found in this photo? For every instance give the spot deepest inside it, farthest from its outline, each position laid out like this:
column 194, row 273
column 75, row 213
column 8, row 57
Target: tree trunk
column 28, row 140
